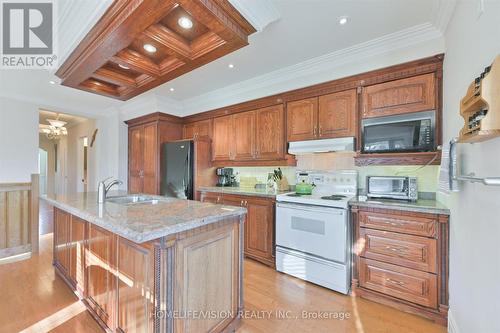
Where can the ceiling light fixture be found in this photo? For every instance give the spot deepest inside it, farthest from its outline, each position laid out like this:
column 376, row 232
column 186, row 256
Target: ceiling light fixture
column 52, row 82
column 55, row 130
column 150, row 48
column 230, row 66
column 172, row 89
column 185, row 22
column 343, row 20
column 123, row 66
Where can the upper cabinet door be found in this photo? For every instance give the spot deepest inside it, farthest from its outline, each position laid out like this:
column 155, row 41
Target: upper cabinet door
column 151, row 160
column 244, row 136
column 204, row 128
column 222, row 138
column 198, row 128
column 189, row 131
column 337, row 115
column 302, row 119
column 270, row 136
column 135, row 159
column 412, row 94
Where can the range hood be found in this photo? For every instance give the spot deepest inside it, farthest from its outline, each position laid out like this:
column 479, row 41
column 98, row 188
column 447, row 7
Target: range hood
column 321, row 146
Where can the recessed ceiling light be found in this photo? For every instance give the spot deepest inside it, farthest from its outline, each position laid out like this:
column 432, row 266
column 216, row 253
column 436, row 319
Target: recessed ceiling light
column 172, row 89
column 230, row 66
column 150, row 48
column 52, row 82
column 343, row 20
column 123, row 66
column 185, row 22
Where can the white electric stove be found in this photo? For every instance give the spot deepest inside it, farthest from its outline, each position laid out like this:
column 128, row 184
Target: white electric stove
column 313, row 232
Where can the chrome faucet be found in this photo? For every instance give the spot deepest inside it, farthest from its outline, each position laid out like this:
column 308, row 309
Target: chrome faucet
column 103, row 188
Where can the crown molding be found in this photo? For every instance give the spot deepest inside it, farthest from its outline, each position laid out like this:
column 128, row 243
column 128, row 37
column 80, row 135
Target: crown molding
column 273, row 82
column 75, row 20
column 260, row 13
column 443, row 10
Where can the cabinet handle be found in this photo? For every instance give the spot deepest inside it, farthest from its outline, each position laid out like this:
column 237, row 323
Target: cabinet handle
column 241, row 203
column 320, row 131
column 399, row 283
column 246, row 203
column 314, row 131
column 218, row 199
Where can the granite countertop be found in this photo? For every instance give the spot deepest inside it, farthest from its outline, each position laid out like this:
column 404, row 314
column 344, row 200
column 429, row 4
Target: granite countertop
column 420, row 206
column 143, row 222
column 269, row 193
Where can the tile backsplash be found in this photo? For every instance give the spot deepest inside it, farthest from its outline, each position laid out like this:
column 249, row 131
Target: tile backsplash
column 427, row 176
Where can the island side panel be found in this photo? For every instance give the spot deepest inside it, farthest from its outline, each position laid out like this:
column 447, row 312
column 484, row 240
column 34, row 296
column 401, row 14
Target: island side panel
column 207, row 278
column 136, row 286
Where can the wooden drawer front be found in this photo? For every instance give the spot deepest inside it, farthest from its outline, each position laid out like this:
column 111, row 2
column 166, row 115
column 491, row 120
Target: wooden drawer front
column 404, row 283
column 405, row 250
column 414, row 225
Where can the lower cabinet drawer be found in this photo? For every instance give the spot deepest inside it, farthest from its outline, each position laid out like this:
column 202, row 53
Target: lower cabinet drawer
column 404, row 283
column 399, row 249
column 414, row 224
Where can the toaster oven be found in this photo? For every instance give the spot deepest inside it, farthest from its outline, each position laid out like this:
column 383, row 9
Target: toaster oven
column 403, row 188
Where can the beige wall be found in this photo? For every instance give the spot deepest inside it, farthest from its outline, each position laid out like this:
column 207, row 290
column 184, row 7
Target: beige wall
column 427, row 176
column 74, row 162
column 472, row 43
column 48, row 146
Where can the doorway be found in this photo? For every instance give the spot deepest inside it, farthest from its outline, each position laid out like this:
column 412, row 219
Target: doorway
column 43, row 158
column 82, row 163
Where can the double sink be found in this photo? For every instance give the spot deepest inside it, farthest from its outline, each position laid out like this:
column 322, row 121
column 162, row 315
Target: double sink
column 128, row 200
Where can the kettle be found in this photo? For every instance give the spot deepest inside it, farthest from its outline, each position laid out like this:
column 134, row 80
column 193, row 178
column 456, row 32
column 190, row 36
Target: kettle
column 304, row 188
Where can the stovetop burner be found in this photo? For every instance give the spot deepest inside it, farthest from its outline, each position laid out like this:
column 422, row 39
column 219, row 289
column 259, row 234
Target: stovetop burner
column 335, row 197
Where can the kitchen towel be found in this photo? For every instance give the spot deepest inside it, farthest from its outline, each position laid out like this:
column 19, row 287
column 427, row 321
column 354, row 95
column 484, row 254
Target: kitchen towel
column 446, row 183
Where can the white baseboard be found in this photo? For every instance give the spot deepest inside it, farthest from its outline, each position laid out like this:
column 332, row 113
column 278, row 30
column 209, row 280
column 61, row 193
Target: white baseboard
column 452, row 324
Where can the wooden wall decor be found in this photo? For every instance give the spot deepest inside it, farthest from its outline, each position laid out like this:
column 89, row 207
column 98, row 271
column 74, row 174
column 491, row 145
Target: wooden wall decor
column 112, row 59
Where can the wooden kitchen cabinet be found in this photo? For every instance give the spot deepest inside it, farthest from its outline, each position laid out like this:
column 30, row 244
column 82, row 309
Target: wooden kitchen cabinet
column 401, row 260
column 302, row 119
column 101, row 270
column 269, row 133
column 61, row 239
column 253, row 136
column 259, row 225
column 222, row 139
column 324, row 117
column 145, row 136
column 243, row 132
column 127, row 284
column 78, row 234
column 135, row 264
column 337, row 115
column 413, row 94
column 197, row 129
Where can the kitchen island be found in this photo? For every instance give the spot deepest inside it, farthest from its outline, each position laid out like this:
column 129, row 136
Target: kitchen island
column 151, row 264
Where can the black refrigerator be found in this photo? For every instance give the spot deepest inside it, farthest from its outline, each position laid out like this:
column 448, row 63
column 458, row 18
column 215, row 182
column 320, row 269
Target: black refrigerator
column 177, row 169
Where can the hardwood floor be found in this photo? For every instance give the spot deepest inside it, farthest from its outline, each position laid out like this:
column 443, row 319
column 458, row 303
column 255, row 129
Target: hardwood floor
column 34, row 299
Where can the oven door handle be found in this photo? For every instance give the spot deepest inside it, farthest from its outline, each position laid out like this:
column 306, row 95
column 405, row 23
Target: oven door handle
column 308, row 208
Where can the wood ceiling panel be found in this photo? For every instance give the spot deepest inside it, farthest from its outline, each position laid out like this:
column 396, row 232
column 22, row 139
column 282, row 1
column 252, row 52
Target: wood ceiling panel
column 120, row 35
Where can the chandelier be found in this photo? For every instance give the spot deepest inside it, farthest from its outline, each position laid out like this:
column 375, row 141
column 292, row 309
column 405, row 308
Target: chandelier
column 55, row 130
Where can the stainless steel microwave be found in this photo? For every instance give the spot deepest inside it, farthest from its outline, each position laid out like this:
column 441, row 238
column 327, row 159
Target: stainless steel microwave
column 411, row 132
column 404, row 188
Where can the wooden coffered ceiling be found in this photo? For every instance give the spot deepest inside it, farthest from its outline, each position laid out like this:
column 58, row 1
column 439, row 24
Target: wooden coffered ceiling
column 111, row 59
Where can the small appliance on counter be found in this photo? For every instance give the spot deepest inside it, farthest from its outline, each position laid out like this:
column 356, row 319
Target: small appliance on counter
column 392, row 187
column 225, row 177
